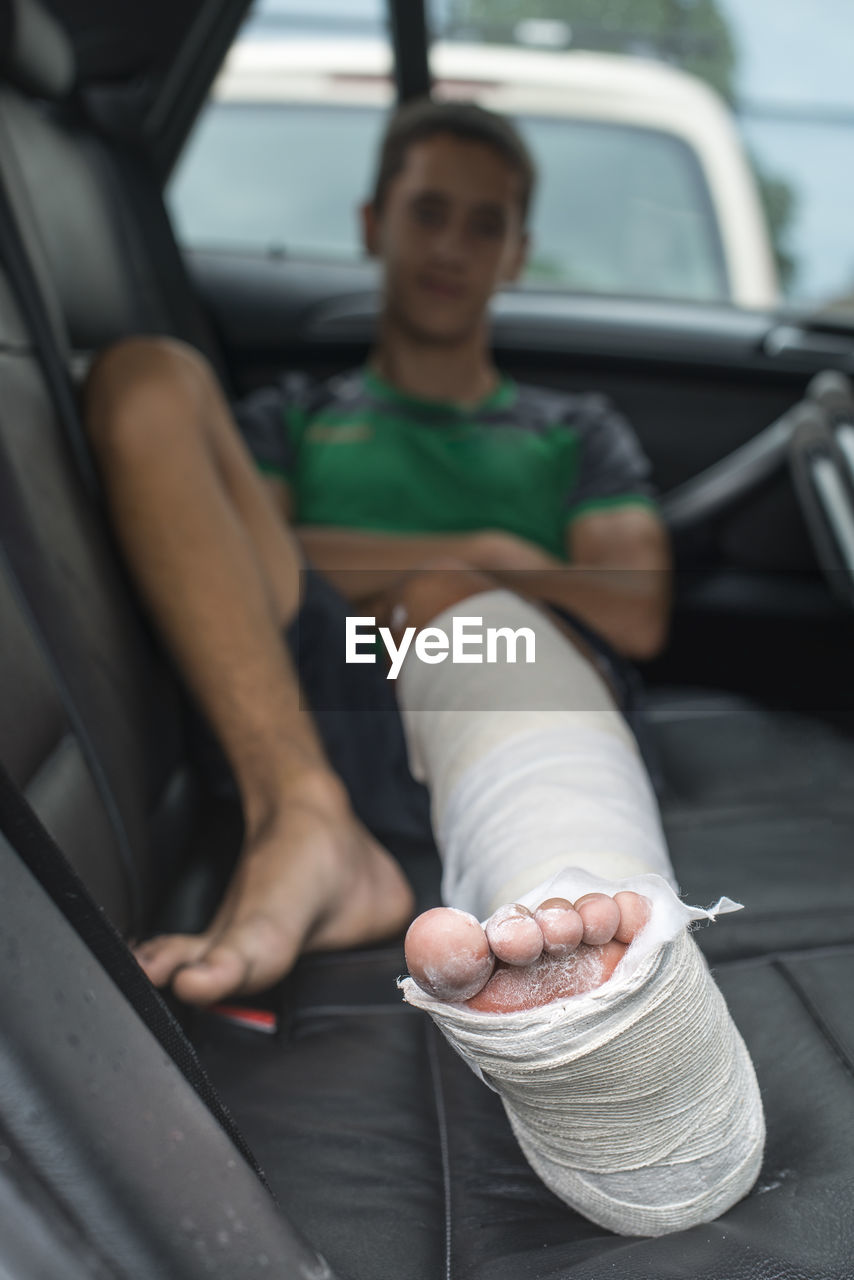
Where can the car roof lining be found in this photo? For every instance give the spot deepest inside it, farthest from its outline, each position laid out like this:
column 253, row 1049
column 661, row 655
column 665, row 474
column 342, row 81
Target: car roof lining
column 161, row 57
column 118, row 42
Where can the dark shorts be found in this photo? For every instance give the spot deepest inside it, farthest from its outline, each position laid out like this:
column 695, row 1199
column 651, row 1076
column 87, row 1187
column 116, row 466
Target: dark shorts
column 356, row 714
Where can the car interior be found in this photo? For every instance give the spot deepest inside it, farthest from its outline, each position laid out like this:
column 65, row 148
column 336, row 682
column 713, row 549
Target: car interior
column 330, row 1131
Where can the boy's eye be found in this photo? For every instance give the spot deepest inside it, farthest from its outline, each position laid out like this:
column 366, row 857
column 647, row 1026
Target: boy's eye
column 428, row 213
column 489, row 224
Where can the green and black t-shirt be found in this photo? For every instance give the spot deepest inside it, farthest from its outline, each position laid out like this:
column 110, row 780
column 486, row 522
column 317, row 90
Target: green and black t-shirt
column 358, row 453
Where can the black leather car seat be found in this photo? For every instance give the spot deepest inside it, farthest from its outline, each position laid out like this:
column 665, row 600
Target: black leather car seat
column 91, row 204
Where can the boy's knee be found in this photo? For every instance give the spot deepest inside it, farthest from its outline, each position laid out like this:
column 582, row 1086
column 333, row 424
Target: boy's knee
column 134, row 383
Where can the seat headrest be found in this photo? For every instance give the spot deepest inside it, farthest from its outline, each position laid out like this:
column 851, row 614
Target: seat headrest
column 36, row 53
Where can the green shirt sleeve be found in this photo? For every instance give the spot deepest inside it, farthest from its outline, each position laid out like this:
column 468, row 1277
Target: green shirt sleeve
column 613, row 469
column 271, row 420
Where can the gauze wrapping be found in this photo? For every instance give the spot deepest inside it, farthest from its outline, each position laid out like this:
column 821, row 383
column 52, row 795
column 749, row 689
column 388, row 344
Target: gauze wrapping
column 530, row 768
column 636, row 1102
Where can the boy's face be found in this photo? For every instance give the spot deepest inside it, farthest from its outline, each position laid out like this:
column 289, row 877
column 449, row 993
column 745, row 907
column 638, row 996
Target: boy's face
column 449, row 233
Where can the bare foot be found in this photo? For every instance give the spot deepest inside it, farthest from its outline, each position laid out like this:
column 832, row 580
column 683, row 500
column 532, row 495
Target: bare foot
column 521, row 960
column 314, row 880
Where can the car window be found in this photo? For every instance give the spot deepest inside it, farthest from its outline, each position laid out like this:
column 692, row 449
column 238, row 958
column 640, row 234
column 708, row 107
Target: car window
column 296, row 172
column 269, row 172
column 647, row 188
column 603, row 234
column 621, row 209
column 784, row 71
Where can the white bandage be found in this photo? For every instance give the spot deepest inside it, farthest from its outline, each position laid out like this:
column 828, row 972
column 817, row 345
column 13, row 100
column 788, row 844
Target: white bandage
column 530, row 768
column 635, row 1102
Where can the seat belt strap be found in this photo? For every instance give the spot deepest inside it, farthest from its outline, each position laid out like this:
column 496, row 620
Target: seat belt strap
column 46, row 862
column 16, row 266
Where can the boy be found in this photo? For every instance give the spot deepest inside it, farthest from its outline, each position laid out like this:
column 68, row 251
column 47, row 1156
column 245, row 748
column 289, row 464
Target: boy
column 427, row 456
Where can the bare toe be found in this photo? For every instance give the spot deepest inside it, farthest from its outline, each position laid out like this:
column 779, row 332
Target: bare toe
column 162, row 957
column 601, row 918
column 221, row 971
column 634, row 914
column 514, row 935
column 561, row 925
column 447, row 953
column 244, row 957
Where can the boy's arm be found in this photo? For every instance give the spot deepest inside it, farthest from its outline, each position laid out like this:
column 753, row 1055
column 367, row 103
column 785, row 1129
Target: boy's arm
column 361, row 564
column 618, row 579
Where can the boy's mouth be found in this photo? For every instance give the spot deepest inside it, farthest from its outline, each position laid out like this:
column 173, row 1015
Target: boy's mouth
column 441, row 287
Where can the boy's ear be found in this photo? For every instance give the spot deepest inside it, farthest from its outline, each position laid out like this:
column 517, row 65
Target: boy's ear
column 517, row 259
column 370, row 228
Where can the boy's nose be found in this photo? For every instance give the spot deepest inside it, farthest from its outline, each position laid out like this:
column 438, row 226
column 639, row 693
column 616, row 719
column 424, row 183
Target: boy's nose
column 449, row 244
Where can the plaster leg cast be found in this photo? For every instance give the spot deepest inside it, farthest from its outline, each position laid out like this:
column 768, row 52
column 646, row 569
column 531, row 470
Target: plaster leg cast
column 624, row 1078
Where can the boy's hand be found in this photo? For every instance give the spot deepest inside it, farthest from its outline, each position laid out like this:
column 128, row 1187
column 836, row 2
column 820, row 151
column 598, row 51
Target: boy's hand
column 494, row 550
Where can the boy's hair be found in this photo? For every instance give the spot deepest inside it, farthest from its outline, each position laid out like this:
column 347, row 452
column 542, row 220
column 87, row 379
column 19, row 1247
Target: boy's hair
column 415, row 121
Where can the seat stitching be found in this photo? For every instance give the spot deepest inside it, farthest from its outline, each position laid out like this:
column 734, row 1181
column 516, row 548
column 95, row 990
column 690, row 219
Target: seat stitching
column 363, row 956
column 781, row 956
column 64, row 743
column 441, row 1121
column 816, row 1016
column 353, row 1010
column 785, row 913
column 686, row 813
column 88, row 752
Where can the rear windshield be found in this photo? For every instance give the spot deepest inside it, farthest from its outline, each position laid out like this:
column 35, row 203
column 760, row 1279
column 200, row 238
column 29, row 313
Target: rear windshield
column 618, row 209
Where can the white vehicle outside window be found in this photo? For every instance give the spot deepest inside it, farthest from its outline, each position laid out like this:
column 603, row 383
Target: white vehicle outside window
column 644, row 187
